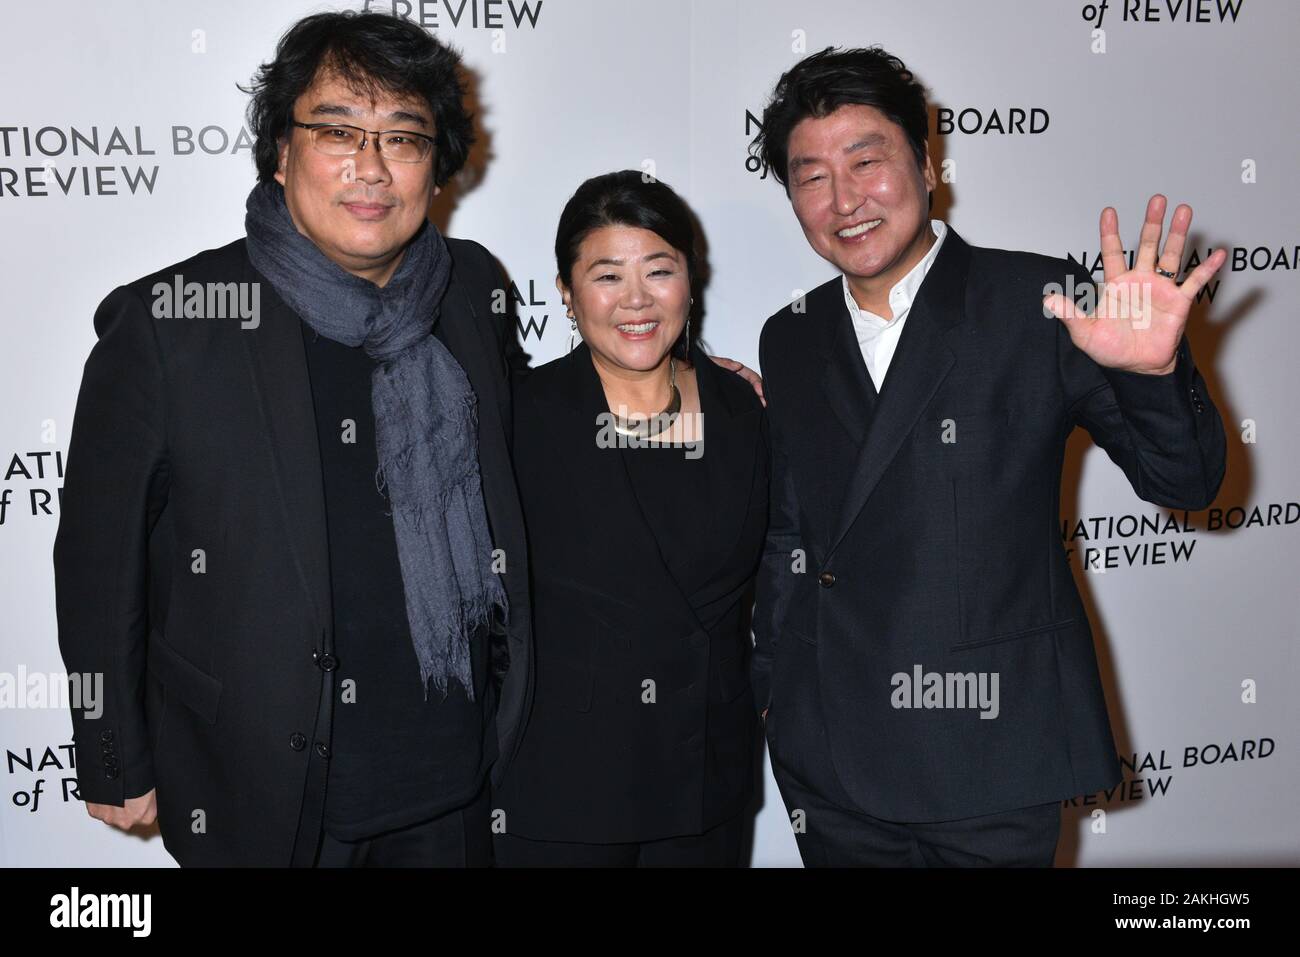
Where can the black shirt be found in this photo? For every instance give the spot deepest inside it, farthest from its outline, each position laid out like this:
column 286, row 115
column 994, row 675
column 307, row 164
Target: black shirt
column 394, row 755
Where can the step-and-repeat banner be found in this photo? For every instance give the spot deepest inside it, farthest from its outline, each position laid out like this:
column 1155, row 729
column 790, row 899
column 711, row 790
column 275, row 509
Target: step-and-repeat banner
column 125, row 149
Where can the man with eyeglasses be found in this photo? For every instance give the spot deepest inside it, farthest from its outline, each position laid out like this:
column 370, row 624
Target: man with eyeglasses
column 291, row 541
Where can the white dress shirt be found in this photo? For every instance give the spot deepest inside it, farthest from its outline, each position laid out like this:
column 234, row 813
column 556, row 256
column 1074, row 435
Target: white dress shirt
column 877, row 336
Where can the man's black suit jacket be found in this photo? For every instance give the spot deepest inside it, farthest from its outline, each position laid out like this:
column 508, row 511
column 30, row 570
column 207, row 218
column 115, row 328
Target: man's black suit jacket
column 929, row 521
column 192, row 569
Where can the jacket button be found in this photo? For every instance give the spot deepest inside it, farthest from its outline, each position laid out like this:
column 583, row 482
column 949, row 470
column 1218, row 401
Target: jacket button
column 297, row 740
column 322, row 749
column 827, row 579
column 111, row 773
column 106, row 735
column 327, row 662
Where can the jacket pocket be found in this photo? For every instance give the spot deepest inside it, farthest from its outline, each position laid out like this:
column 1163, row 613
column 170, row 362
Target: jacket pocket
column 1013, row 635
column 183, row 679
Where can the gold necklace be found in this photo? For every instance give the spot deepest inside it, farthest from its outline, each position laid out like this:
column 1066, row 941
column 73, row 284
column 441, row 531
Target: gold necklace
column 653, row 425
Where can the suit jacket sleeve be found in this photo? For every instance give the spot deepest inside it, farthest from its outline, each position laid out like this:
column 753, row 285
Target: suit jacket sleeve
column 115, row 488
column 775, row 583
column 1162, row 430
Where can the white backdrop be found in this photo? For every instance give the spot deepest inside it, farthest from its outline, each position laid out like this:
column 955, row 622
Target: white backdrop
column 1193, row 98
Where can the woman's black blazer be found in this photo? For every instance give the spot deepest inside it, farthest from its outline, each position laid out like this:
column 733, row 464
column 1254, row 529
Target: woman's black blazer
column 643, row 725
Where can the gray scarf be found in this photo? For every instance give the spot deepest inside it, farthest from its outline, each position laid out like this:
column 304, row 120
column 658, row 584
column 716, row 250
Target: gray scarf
column 426, row 426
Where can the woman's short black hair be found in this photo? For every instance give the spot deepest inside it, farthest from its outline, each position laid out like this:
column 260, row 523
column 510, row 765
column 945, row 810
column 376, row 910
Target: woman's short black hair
column 820, row 84
column 626, row 198
column 372, row 53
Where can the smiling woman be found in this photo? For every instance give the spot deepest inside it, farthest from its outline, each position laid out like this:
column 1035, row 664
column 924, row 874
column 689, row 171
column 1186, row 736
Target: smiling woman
column 641, row 744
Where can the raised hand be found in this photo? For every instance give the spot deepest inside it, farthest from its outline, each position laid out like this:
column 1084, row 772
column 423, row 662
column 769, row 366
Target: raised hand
column 1141, row 312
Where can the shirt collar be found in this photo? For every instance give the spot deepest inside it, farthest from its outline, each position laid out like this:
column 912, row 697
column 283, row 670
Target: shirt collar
column 905, row 290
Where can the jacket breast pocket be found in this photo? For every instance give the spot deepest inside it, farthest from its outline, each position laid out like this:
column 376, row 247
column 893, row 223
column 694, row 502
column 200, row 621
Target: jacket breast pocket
column 1040, row 630
column 184, row 680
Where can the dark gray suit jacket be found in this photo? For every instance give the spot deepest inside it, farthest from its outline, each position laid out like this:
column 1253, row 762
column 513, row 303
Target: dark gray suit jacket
column 947, row 555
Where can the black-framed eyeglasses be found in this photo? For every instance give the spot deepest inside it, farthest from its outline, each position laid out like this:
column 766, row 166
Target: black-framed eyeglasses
column 340, row 139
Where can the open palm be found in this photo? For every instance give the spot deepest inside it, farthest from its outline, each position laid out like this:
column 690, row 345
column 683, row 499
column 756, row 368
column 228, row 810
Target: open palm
column 1140, row 313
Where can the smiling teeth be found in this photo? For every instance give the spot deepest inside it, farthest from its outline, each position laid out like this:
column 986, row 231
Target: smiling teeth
column 637, row 328
column 859, row 229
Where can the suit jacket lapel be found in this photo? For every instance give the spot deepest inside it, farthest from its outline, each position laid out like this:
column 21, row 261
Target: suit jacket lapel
column 920, row 364
column 277, row 361
column 847, row 383
column 728, row 458
column 457, row 327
